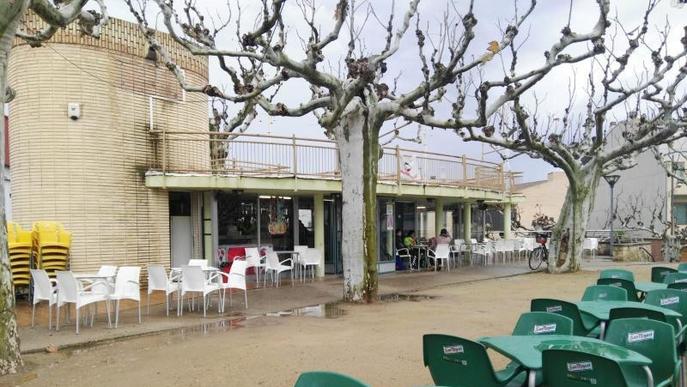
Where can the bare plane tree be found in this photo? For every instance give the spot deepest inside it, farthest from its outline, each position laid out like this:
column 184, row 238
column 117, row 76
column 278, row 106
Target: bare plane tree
column 635, row 86
column 56, row 14
column 353, row 105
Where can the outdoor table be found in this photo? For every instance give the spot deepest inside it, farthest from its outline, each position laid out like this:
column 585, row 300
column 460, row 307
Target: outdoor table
column 420, row 248
column 602, row 309
column 527, row 350
column 649, row 286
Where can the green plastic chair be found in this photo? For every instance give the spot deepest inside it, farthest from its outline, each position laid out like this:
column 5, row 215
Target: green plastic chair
column 327, row 379
column 658, row 273
column 582, row 326
column 671, row 278
column 653, row 339
column 458, row 362
column 543, row 323
column 568, row 368
column 629, row 286
column 682, row 286
column 617, row 273
column 604, row 293
column 672, row 299
column 682, row 267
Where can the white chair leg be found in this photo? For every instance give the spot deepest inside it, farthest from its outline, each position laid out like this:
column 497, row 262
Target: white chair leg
column 139, row 311
column 166, row 304
column 107, row 309
column 78, row 320
column 33, row 315
column 204, row 307
column 148, row 304
column 49, row 316
column 57, row 318
column 245, row 297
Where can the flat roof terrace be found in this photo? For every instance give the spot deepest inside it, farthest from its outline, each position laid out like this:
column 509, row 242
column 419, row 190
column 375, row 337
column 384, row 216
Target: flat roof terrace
column 187, row 160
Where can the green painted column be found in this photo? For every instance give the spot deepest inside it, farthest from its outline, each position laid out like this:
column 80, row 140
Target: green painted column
column 318, row 225
column 439, row 216
column 507, row 207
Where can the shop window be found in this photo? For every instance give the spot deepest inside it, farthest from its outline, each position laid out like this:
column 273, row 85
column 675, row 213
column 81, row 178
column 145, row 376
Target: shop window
column 680, row 213
column 180, row 204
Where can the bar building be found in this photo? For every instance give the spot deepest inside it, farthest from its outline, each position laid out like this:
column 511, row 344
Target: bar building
column 104, row 141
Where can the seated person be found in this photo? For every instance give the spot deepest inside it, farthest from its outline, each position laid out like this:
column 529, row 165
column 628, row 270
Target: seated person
column 442, row 239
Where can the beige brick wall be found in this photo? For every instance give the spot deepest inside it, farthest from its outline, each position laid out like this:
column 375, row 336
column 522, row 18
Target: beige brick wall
column 547, row 196
column 89, row 173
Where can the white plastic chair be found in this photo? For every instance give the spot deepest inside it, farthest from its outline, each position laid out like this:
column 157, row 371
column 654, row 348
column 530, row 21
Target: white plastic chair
column 275, row 268
column 127, row 287
column 591, row 244
column 104, row 285
column 236, row 279
column 193, row 280
column 298, row 257
column 404, row 253
column 486, row 250
column 254, row 260
column 158, row 281
column 457, row 248
column 43, row 290
column 70, row 291
column 310, row 258
column 441, row 253
column 198, row 262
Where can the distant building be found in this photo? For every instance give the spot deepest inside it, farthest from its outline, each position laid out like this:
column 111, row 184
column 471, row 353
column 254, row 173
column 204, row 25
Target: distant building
column 543, row 196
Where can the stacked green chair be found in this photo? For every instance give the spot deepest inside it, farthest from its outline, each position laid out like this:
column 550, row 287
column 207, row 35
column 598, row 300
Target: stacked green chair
column 682, row 267
column 628, row 285
column 582, row 326
column 653, row 339
column 458, row 362
column 658, row 273
column 568, row 368
column 19, row 249
column 672, row 278
column 327, row 379
column 672, row 299
column 604, row 293
column 543, row 323
column 617, row 273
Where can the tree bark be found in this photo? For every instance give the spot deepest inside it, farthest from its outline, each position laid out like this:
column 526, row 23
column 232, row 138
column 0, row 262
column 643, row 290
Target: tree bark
column 358, row 156
column 568, row 234
column 10, row 358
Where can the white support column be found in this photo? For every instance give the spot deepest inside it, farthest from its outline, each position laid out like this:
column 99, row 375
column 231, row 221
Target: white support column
column 467, row 222
column 318, row 226
column 507, row 207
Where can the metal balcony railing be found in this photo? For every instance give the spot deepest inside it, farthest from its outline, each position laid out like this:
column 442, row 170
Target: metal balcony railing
column 261, row 155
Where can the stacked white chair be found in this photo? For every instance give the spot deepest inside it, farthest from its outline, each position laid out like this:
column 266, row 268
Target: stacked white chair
column 158, row 281
column 70, row 291
column 127, row 287
column 43, row 290
column 236, row 279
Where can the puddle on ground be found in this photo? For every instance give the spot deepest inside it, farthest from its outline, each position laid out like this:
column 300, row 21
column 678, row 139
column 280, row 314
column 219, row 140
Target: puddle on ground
column 331, row 310
column 396, row 297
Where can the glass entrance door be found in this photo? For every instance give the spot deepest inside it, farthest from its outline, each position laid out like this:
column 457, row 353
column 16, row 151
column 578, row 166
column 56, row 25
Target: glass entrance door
column 332, row 236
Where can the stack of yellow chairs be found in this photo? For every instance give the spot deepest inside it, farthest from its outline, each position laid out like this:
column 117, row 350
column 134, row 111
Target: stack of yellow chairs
column 51, row 244
column 19, row 243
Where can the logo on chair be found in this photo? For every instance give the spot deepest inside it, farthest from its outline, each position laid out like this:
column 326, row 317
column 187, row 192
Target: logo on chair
column 635, row 337
column 453, row 349
column 670, row 301
column 580, row 366
column 546, row 328
column 554, row 309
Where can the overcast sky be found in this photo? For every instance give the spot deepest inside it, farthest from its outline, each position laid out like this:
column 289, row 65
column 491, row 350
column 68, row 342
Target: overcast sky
column 542, row 29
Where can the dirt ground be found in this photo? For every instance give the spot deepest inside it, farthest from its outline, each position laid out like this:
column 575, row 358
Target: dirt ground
column 380, row 344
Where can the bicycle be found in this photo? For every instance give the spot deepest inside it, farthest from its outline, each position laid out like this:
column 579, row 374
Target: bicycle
column 539, row 254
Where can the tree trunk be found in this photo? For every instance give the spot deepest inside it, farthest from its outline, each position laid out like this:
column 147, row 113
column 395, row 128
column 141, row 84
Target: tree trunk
column 566, row 242
column 10, row 359
column 358, row 156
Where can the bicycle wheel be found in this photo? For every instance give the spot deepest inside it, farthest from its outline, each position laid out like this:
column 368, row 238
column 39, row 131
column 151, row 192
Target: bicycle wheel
column 536, row 258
